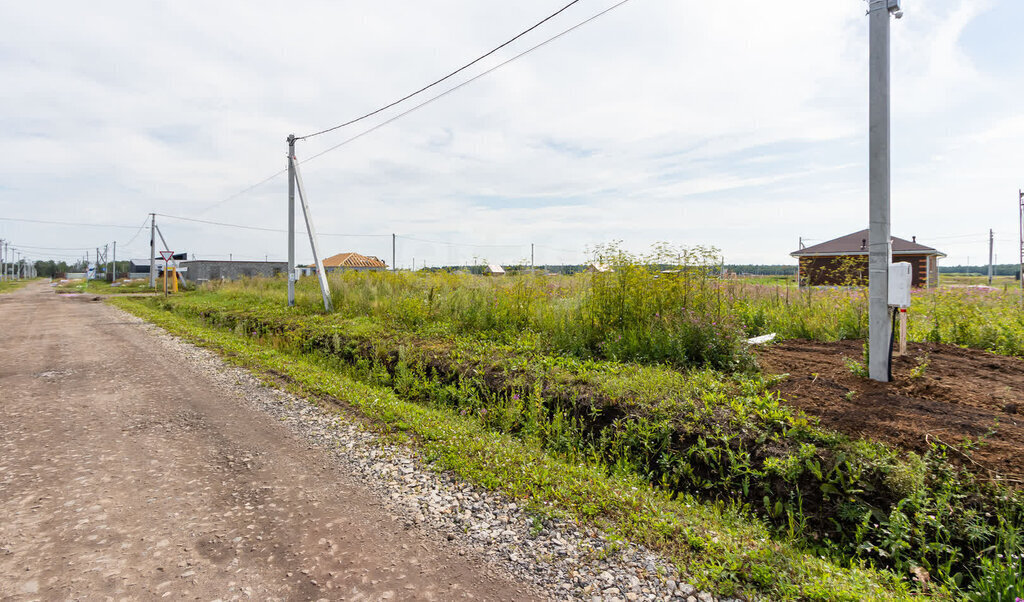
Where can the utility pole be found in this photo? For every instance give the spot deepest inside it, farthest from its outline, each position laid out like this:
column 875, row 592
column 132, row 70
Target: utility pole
column 152, row 250
column 113, row 264
column 1020, row 194
column 879, row 238
column 291, row 221
column 531, row 257
column 394, row 264
column 3, row 265
column 991, row 241
column 325, row 288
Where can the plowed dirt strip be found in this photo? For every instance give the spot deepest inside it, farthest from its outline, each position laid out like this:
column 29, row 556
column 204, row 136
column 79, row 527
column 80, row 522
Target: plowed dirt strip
column 125, row 474
column 938, row 391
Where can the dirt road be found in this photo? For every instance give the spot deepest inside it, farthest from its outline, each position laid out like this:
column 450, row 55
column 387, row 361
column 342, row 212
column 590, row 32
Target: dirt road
column 124, row 474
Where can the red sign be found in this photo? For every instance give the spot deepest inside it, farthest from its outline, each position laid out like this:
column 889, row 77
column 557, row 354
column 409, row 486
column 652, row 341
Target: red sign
column 166, row 255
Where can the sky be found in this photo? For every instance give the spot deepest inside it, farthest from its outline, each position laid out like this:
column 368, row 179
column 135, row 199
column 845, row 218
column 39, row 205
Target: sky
column 739, row 125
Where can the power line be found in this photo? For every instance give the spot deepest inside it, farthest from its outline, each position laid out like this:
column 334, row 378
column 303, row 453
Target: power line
column 465, row 83
column 55, row 223
column 459, row 244
column 137, row 232
column 55, row 248
column 417, row 107
column 259, row 228
column 243, row 191
column 449, row 76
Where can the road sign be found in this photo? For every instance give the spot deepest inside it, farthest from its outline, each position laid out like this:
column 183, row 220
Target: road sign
column 166, row 255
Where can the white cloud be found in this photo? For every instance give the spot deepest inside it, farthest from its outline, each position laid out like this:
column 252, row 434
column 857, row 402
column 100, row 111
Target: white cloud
column 740, row 125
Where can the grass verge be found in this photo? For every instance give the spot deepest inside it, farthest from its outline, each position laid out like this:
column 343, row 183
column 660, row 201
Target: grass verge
column 7, row 286
column 718, row 544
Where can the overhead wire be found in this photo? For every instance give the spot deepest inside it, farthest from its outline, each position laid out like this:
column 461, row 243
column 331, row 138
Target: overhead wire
column 423, row 104
column 57, row 223
column 463, row 84
column 459, row 244
column 259, row 228
column 446, row 77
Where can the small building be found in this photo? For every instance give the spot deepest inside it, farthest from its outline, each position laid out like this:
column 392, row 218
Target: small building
column 494, row 269
column 843, row 261
column 599, row 268
column 202, row 270
column 353, row 262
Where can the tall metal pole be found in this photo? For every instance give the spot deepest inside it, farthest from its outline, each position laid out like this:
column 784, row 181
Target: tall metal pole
column 879, row 237
column 394, row 263
column 152, row 250
column 291, row 221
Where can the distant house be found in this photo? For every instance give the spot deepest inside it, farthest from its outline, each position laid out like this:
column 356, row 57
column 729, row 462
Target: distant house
column 843, row 261
column 599, row 268
column 494, row 270
column 354, row 262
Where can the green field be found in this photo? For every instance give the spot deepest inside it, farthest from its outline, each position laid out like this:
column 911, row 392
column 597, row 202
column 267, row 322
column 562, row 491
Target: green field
column 7, row 286
column 101, row 287
column 628, row 400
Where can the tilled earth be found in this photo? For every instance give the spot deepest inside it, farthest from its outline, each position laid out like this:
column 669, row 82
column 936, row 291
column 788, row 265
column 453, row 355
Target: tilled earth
column 136, row 466
column 939, row 393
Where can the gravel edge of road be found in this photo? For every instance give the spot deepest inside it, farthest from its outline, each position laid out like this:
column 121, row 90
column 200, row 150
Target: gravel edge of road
column 561, row 560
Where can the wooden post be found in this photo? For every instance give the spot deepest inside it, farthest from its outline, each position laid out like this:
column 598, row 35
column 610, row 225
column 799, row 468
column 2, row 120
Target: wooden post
column 903, row 331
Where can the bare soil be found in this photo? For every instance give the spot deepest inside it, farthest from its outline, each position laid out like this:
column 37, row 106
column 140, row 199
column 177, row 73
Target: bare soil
column 127, row 474
column 938, row 393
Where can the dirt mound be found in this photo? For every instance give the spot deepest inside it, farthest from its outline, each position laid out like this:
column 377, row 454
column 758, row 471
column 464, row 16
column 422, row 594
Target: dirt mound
column 938, row 392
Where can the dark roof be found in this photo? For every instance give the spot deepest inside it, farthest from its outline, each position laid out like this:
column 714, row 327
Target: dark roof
column 857, row 244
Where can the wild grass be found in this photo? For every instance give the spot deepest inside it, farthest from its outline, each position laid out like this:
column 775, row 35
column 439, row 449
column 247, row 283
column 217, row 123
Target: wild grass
column 716, row 436
column 7, row 286
column 512, row 444
column 102, row 287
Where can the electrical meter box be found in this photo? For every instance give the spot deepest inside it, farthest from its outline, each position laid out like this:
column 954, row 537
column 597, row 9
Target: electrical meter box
column 899, row 284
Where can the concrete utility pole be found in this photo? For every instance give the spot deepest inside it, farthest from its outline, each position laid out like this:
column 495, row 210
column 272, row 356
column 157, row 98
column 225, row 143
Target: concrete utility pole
column 152, row 250
column 991, row 241
column 531, row 256
column 113, row 264
column 291, row 222
column 879, row 238
column 1020, row 194
column 394, row 264
column 3, row 265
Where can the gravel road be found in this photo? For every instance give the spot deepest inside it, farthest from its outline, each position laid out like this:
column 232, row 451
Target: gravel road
column 136, row 466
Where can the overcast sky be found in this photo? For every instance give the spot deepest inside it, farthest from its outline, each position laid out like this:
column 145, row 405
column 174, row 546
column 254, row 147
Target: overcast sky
column 741, row 125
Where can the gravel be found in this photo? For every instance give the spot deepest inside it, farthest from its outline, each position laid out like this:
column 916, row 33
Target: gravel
column 565, row 560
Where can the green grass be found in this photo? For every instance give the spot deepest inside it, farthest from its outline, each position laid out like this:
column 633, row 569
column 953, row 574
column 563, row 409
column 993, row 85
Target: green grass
column 102, row 287
column 718, row 544
column 7, row 286
column 638, row 374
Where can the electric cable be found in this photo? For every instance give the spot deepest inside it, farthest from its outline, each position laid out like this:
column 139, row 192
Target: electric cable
column 243, row 191
column 459, row 244
column 55, row 223
column 449, row 76
column 260, row 228
column 137, row 232
column 463, row 84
